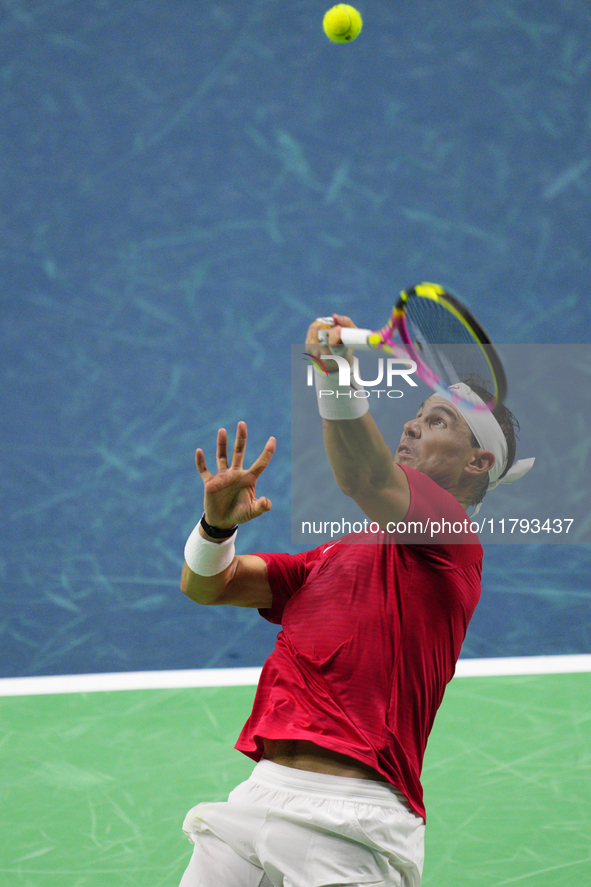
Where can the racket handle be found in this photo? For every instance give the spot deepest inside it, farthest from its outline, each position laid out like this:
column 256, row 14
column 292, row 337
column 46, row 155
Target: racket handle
column 351, row 338
column 354, row 338
column 358, row 339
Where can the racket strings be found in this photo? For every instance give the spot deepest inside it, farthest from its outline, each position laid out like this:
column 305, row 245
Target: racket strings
column 446, row 344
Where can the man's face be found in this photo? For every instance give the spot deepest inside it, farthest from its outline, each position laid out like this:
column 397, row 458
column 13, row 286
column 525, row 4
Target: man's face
column 437, row 443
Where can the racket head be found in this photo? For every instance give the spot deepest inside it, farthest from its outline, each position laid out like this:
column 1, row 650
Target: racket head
column 447, row 342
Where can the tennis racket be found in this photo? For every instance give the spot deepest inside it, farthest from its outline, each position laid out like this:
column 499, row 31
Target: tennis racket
column 444, row 339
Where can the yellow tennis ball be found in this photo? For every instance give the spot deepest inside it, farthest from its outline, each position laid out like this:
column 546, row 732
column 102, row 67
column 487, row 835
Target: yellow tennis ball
column 342, row 23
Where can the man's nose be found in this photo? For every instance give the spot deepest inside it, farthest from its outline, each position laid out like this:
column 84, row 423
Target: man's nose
column 412, row 428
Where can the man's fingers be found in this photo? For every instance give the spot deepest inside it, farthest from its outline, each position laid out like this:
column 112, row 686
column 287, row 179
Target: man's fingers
column 239, row 445
column 222, row 449
column 343, row 320
column 334, row 336
column 259, row 465
column 201, row 466
column 312, row 334
column 261, row 505
column 333, row 324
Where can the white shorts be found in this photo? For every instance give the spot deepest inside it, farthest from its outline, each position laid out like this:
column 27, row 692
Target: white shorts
column 292, row 828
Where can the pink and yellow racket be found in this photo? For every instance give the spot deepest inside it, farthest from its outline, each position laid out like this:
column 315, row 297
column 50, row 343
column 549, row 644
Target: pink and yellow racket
column 444, row 339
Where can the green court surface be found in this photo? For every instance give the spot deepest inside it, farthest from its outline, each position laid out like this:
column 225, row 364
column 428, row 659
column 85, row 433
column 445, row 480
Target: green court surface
column 95, row 786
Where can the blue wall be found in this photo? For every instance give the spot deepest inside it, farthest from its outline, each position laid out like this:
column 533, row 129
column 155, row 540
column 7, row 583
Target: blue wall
column 185, row 186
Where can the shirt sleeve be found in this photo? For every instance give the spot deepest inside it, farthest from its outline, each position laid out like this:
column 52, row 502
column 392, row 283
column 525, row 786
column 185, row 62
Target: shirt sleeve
column 286, row 574
column 447, row 539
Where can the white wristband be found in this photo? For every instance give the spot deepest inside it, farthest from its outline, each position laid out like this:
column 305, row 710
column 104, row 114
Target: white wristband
column 339, row 401
column 208, row 558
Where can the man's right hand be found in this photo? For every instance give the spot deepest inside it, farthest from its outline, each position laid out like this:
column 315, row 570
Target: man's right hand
column 230, row 494
column 334, row 337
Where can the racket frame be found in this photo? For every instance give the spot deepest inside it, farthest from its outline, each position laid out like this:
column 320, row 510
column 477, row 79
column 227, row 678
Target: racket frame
column 438, row 294
column 383, row 340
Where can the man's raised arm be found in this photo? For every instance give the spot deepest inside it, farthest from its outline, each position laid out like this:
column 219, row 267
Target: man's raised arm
column 212, row 572
column 360, row 459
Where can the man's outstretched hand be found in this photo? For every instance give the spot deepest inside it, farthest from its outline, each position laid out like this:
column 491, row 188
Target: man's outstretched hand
column 230, row 494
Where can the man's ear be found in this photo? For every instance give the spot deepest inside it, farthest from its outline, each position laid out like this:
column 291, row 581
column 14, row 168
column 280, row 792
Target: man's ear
column 481, row 462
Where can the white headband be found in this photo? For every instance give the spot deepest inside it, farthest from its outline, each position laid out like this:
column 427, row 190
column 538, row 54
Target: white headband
column 489, row 435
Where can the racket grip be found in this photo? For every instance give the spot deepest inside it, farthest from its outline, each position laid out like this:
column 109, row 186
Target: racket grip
column 351, row 338
column 355, row 338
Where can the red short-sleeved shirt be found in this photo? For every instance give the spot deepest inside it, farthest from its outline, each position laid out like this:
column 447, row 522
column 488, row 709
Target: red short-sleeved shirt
column 370, row 637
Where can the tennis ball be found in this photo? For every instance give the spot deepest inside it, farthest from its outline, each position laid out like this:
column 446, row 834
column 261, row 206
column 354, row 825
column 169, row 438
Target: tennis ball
column 342, row 23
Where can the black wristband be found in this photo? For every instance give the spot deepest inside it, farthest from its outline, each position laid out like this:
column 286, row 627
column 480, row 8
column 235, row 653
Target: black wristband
column 216, row 532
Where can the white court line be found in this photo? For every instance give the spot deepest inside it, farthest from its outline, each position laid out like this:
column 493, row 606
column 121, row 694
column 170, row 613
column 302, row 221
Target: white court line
column 130, row 680
column 248, row 677
column 516, row 665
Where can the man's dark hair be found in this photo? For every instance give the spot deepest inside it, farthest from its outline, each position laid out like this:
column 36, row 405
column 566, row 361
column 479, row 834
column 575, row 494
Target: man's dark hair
column 509, row 426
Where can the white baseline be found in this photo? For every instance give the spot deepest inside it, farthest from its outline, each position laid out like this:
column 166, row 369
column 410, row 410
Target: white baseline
column 248, row 677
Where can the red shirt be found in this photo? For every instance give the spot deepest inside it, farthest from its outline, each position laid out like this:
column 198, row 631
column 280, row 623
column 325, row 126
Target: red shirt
column 370, row 637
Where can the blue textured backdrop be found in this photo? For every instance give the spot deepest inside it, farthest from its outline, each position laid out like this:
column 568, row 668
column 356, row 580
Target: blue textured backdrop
column 184, row 187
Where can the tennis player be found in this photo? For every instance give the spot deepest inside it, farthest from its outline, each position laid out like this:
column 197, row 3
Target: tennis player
column 372, row 628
